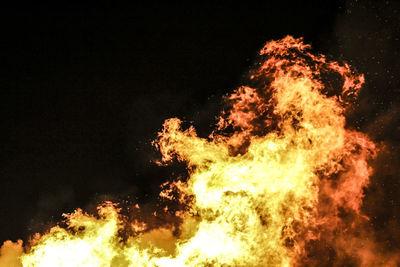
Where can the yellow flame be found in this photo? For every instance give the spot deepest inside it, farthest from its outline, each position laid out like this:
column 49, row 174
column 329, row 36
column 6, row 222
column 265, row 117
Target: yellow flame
column 270, row 180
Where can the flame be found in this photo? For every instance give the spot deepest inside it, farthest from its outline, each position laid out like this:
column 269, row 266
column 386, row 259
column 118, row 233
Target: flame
column 279, row 182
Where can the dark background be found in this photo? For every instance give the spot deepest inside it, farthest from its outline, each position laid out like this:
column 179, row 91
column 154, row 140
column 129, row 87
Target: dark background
column 84, row 90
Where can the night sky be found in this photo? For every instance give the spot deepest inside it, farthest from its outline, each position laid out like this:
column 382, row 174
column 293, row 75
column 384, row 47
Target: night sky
column 85, row 89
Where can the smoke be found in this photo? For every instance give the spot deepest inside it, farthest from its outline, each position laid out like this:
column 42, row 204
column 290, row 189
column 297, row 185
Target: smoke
column 374, row 48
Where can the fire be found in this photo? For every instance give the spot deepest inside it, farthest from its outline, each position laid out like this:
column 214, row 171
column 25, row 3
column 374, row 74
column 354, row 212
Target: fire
column 279, row 182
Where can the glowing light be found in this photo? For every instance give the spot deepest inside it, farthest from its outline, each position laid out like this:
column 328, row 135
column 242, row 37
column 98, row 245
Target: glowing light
column 271, row 182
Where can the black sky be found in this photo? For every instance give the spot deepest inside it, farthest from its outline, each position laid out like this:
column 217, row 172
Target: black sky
column 84, row 90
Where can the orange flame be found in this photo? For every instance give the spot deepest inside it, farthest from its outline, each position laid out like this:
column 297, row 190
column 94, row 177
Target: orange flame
column 278, row 183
